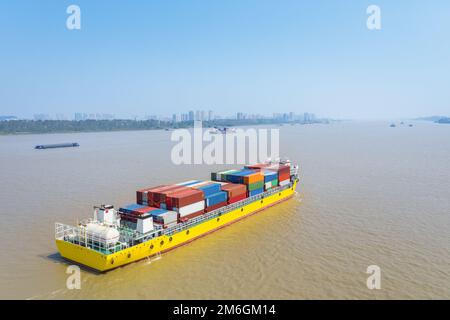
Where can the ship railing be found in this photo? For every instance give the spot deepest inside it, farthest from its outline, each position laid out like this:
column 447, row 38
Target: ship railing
column 217, row 213
column 80, row 236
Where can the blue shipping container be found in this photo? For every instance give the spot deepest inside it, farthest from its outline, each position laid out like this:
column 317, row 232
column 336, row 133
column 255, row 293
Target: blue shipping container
column 270, row 176
column 131, row 208
column 158, row 212
column 209, row 189
column 216, row 198
column 255, row 192
column 238, row 177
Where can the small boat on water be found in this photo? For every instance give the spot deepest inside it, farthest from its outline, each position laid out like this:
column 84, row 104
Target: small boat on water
column 393, row 125
column 57, row 145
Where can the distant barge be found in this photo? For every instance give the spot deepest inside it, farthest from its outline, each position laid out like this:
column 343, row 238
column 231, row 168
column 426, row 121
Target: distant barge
column 57, row 145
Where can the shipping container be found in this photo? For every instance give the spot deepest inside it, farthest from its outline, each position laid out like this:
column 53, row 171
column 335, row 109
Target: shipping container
column 216, row 198
column 222, row 175
column 237, row 198
column 190, row 216
column 253, row 178
column 159, row 196
column 256, row 185
column 188, row 183
column 270, row 184
column 141, row 195
column 183, row 198
column 285, row 182
column 257, row 166
column 269, row 175
column 234, row 189
column 255, row 192
column 216, row 206
column 190, row 209
column 136, row 209
column 208, row 188
column 164, row 216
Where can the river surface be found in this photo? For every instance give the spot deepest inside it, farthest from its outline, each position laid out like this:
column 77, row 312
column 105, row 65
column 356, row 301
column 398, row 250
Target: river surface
column 369, row 195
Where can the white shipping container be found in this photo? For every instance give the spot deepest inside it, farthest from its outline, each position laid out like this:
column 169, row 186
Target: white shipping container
column 197, row 184
column 145, row 225
column 284, row 182
column 186, row 182
column 268, row 185
column 192, row 208
column 169, row 217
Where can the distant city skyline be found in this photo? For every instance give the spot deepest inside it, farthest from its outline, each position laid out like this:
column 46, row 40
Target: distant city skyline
column 257, row 57
column 191, row 115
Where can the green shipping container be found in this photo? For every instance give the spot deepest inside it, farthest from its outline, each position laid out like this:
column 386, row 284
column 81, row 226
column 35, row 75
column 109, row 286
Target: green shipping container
column 256, row 185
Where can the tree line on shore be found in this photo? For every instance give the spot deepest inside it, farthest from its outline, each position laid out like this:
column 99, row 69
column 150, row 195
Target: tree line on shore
column 61, row 126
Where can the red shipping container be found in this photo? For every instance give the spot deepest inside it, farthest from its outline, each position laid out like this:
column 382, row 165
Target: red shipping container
column 216, row 206
column 237, row 198
column 183, row 198
column 140, row 211
column 160, row 195
column 140, row 194
column 283, row 176
column 166, row 197
column 257, row 166
column 234, row 189
column 148, row 191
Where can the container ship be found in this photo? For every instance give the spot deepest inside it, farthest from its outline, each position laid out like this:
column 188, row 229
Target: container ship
column 168, row 216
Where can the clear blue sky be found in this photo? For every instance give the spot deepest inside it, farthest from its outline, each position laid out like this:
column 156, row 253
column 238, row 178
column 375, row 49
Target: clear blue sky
column 255, row 56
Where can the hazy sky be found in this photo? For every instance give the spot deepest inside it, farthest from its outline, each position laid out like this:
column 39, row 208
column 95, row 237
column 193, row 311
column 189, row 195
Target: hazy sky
column 255, row 56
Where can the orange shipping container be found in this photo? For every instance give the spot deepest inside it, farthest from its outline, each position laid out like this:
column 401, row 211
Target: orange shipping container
column 254, row 177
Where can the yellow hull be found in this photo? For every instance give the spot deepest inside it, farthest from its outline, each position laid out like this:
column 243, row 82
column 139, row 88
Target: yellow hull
column 164, row 243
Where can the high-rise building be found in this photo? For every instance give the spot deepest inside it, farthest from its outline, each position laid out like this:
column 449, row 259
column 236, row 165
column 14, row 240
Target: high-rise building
column 191, row 115
column 291, row 116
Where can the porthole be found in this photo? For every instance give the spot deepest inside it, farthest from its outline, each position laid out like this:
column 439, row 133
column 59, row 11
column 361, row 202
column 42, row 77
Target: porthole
column 218, row 219
column 187, row 232
column 151, row 246
column 112, row 261
column 129, row 256
column 161, row 243
column 262, row 201
column 279, row 194
column 170, row 239
column 242, row 209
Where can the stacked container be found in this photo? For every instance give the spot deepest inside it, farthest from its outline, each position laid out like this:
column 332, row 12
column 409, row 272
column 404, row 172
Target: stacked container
column 133, row 212
column 214, row 197
column 142, row 195
column 283, row 171
column 156, row 196
column 253, row 179
column 222, row 176
column 165, row 218
column 270, row 179
column 186, row 202
column 235, row 192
